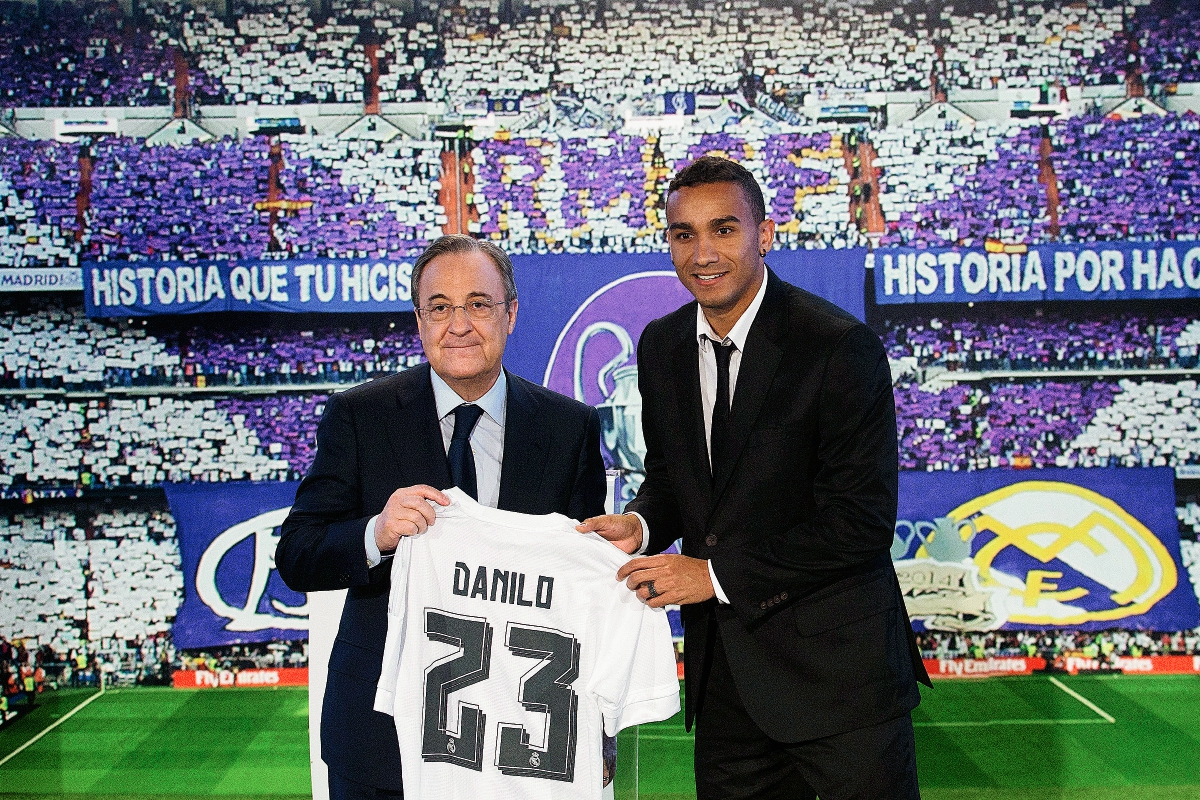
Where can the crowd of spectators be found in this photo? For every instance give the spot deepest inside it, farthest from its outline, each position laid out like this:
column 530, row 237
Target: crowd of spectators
column 38, row 182
column 1189, row 520
column 1041, row 423
column 1162, row 39
column 69, row 579
column 50, row 344
column 1054, row 644
column 280, row 52
column 86, row 54
column 996, row 424
column 614, row 54
column 626, row 52
column 605, row 193
column 957, row 185
column 962, row 182
column 991, row 339
column 349, row 199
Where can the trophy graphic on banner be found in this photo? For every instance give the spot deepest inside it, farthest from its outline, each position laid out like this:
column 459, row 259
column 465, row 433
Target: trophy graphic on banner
column 621, row 410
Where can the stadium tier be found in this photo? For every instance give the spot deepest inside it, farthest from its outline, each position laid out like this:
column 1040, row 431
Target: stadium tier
column 623, row 52
column 605, row 193
column 203, row 201
column 56, row 347
column 69, row 580
column 997, row 340
column 600, row 193
column 82, row 55
column 1117, row 179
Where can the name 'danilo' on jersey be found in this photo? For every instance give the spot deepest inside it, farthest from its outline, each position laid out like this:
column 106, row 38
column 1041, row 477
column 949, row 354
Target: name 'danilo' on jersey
column 506, row 587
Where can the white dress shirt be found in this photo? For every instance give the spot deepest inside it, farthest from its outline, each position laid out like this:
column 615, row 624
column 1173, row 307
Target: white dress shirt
column 705, row 336
column 487, row 443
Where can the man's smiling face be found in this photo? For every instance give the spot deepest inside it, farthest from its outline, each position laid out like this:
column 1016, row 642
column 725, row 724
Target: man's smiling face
column 716, row 247
column 465, row 352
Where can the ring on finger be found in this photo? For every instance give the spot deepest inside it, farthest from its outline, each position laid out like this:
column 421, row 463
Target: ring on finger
column 651, row 590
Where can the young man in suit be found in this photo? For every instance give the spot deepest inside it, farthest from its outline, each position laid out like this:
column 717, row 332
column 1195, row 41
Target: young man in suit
column 386, row 449
column 771, row 451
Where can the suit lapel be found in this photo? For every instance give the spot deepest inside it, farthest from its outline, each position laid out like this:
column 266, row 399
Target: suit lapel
column 759, row 363
column 685, row 361
column 416, row 436
column 521, row 471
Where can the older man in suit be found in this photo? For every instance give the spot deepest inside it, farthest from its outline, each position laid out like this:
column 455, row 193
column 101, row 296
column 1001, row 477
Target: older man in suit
column 771, row 451
column 386, row 449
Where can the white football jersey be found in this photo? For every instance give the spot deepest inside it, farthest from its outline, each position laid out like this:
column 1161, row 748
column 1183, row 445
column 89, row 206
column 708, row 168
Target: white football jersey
column 511, row 647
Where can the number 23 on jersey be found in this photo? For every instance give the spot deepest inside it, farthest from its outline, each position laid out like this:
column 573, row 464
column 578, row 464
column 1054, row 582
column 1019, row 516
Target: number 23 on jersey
column 545, row 689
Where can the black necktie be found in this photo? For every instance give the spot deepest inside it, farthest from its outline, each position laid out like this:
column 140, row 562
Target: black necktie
column 718, row 440
column 462, row 460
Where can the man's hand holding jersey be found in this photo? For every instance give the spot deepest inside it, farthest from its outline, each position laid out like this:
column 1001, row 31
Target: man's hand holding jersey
column 408, row 512
column 661, row 580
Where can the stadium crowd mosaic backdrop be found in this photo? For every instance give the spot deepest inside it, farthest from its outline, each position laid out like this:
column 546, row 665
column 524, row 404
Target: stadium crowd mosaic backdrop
column 209, row 212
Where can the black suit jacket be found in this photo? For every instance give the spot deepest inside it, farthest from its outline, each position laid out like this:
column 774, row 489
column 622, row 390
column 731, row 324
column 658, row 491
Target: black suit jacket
column 797, row 525
column 373, row 440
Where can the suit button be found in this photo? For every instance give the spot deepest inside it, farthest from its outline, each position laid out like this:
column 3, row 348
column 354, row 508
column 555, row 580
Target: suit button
column 783, row 596
column 711, row 540
column 771, row 602
column 763, row 606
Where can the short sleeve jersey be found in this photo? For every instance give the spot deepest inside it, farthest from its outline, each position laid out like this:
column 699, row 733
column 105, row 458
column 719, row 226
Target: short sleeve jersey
column 511, row 647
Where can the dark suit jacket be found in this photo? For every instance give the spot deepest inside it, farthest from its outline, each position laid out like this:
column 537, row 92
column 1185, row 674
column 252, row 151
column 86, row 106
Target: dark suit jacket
column 373, row 440
column 798, row 524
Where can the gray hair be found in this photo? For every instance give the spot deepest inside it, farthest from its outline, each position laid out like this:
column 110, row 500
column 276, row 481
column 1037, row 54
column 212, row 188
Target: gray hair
column 462, row 243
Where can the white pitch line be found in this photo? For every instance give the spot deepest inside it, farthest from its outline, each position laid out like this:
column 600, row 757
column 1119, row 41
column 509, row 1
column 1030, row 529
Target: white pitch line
column 57, row 722
column 1107, row 717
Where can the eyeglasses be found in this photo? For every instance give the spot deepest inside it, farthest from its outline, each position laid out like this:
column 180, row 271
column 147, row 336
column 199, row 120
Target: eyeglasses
column 480, row 310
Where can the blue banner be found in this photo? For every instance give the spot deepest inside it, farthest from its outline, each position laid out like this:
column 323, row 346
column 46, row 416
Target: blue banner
column 1090, row 271
column 297, row 285
column 227, row 537
column 358, row 286
column 1085, row 549
column 560, row 293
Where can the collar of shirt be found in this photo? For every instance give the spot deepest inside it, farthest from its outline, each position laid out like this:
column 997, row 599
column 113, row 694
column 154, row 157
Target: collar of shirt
column 494, row 402
column 737, row 334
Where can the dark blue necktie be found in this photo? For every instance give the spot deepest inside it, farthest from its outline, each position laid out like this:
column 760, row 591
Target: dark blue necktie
column 462, row 460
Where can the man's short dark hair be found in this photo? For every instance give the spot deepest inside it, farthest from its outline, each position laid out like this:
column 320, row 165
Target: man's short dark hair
column 462, row 243
column 711, row 169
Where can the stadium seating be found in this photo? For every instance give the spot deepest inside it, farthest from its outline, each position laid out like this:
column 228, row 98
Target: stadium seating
column 1148, row 424
column 277, row 53
column 976, row 426
column 1189, row 521
column 1166, row 40
column 37, row 215
column 127, row 442
column 962, row 184
column 134, row 580
column 281, row 52
column 356, row 199
column 604, row 193
column 56, row 347
column 1046, row 341
column 81, row 55
column 51, row 345
column 68, row 581
column 42, row 578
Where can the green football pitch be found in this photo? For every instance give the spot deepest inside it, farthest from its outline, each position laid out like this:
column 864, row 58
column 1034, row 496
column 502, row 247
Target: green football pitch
column 1093, row 737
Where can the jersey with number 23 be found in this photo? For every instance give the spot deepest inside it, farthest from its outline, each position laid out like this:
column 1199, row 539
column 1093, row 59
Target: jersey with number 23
column 511, row 647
